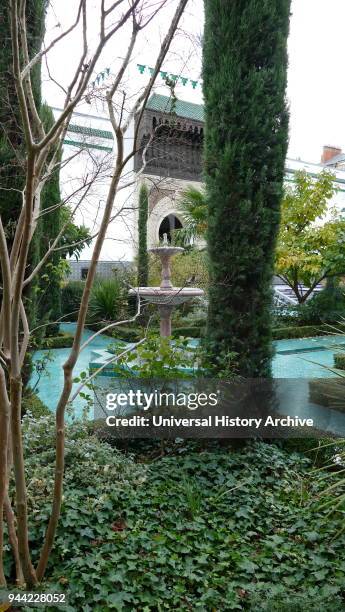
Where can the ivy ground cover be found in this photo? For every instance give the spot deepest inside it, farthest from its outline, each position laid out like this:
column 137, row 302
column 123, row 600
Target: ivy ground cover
column 209, row 529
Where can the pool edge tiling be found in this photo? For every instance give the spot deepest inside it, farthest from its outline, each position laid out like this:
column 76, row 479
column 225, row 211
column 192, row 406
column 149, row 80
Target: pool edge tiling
column 306, row 357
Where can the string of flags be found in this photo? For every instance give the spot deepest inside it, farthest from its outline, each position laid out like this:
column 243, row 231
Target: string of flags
column 144, row 69
column 168, row 75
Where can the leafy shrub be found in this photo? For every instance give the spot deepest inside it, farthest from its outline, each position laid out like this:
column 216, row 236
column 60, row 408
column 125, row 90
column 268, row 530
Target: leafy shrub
column 71, row 295
column 108, row 299
column 96, row 476
column 326, row 602
column 32, row 403
column 285, row 316
column 127, row 334
column 303, row 331
column 188, row 332
column 195, row 318
column 159, row 358
column 192, row 264
column 339, row 361
column 194, row 531
column 57, row 342
column 320, row 451
column 327, row 306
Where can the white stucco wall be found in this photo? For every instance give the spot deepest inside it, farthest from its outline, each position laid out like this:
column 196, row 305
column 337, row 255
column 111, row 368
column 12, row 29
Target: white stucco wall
column 121, row 240
column 91, row 164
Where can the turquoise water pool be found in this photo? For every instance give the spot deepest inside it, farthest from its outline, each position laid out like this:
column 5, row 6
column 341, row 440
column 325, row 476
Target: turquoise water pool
column 306, row 357
column 301, row 358
column 51, row 383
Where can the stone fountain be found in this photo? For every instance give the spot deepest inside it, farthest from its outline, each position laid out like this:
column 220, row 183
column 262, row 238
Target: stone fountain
column 166, row 297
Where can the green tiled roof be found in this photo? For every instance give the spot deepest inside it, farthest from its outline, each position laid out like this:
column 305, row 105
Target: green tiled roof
column 188, row 110
column 81, row 129
column 86, row 145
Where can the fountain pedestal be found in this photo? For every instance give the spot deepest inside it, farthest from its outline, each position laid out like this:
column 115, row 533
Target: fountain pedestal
column 166, row 297
column 165, row 313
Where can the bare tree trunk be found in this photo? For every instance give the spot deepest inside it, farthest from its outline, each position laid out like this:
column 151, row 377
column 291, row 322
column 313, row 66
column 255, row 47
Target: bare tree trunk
column 5, row 408
column 16, row 379
column 305, row 296
column 4, row 433
column 19, row 473
column 68, row 373
column 11, row 521
column 12, row 536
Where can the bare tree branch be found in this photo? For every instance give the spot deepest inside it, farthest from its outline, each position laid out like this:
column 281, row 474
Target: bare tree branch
column 42, row 159
column 30, row 64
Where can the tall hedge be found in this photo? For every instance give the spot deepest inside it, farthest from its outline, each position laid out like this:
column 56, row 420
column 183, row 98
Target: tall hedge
column 42, row 298
column 49, row 299
column 244, row 76
column 12, row 150
column 143, row 262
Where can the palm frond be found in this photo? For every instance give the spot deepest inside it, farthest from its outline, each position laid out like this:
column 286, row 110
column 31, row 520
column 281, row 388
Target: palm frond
column 193, row 207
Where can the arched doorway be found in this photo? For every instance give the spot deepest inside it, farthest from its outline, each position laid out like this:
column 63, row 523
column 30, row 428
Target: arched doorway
column 168, row 225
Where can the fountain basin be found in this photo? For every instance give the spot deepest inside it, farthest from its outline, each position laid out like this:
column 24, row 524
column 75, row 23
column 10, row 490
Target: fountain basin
column 166, row 251
column 167, row 297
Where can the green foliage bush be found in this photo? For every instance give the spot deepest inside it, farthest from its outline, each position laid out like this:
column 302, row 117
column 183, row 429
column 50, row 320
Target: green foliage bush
column 339, row 361
column 328, row 306
column 32, row 403
column 191, row 264
column 133, row 332
column 143, row 257
column 299, row 603
column 71, row 295
column 159, row 358
column 284, row 316
column 127, row 334
column 299, row 331
column 188, row 332
column 57, row 342
column 198, row 530
column 96, row 476
column 108, row 299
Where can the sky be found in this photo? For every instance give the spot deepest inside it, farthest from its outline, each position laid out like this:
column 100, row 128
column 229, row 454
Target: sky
column 316, row 84
column 316, row 87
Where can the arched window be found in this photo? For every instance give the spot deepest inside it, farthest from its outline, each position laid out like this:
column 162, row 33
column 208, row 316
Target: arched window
column 168, row 225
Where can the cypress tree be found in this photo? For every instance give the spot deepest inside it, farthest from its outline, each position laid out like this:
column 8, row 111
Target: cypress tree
column 12, row 151
column 143, row 262
column 41, row 299
column 244, row 76
column 49, row 295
